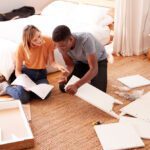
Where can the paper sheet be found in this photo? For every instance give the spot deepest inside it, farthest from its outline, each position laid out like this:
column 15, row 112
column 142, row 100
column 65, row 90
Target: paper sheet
column 24, row 81
column 42, row 90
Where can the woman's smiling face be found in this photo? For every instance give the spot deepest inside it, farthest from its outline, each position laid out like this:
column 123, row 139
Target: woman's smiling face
column 37, row 40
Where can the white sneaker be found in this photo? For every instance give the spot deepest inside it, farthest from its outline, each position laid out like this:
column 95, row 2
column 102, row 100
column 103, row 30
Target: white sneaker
column 3, row 87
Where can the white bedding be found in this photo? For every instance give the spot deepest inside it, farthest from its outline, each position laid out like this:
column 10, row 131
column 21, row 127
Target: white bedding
column 79, row 17
column 7, row 57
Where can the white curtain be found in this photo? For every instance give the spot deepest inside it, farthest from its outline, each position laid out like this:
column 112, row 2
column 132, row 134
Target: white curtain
column 132, row 27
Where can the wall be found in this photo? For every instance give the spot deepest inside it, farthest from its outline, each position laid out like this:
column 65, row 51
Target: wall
column 8, row 5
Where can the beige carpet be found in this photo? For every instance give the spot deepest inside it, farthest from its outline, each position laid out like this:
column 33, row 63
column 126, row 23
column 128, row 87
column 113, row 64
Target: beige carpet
column 64, row 122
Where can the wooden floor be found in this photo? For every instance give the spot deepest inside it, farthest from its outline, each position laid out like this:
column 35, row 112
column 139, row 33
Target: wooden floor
column 64, row 122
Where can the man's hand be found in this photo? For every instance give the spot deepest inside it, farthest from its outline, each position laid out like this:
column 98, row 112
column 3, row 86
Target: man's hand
column 71, row 89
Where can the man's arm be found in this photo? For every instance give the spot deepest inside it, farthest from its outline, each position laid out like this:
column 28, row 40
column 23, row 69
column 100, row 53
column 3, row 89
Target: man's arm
column 68, row 61
column 70, row 66
column 91, row 73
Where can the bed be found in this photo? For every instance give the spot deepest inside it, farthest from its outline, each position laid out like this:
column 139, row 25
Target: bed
column 79, row 17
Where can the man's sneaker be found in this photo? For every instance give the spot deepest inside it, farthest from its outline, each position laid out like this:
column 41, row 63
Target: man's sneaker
column 3, row 87
column 62, row 87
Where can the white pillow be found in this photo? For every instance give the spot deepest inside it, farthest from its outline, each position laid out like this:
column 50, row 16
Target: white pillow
column 102, row 34
column 80, row 13
column 88, row 14
column 107, row 20
column 12, row 29
column 7, row 57
column 59, row 9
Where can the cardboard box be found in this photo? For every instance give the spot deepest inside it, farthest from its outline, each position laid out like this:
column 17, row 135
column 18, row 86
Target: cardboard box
column 26, row 107
column 15, row 132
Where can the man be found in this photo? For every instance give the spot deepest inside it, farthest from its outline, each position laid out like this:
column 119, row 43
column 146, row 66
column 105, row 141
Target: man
column 84, row 56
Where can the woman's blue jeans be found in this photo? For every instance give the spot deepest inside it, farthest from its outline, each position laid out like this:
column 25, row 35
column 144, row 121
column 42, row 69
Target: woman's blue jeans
column 18, row 92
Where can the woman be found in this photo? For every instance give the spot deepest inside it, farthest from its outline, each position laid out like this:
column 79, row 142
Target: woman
column 31, row 59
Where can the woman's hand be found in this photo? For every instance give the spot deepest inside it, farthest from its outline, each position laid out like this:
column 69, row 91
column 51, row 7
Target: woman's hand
column 64, row 74
column 64, row 70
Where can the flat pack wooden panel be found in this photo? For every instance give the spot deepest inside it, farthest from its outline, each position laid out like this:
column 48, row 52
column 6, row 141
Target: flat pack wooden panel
column 134, row 81
column 15, row 130
column 139, row 108
column 26, row 107
column 96, row 97
column 118, row 136
column 2, row 99
column 142, row 127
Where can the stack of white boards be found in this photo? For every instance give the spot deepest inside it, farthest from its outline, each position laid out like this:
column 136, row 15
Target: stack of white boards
column 26, row 107
column 139, row 108
column 95, row 97
column 142, row 127
column 127, row 133
column 134, row 81
column 118, row 136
